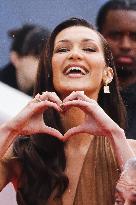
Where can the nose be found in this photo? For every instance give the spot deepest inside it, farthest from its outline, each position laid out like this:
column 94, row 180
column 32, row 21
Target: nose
column 125, row 43
column 75, row 54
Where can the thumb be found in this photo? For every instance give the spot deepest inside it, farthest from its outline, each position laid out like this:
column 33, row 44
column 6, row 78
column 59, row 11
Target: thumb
column 53, row 132
column 73, row 131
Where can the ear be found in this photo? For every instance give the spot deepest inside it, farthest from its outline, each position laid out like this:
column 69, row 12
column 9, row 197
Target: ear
column 14, row 58
column 107, row 75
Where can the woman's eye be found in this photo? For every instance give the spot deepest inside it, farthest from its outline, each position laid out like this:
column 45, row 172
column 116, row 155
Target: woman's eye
column 61, row 50
column 89, row 49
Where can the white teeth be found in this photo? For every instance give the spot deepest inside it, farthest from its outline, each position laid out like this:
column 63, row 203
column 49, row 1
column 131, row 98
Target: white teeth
column 75, row 69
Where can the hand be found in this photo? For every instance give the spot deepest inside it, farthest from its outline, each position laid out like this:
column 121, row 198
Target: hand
column 30, row 119
column 97, row 122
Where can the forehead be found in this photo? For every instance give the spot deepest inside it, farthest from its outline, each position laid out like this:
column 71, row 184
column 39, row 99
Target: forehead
column 121, row 20
column 78, row 33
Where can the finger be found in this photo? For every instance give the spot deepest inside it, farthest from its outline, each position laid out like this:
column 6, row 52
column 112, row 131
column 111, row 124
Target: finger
column 74, row 95
column 53, row 132
column 79, row 95
column 43, row 105
column 36, row 98
column 51, row 96
column 47, row 104
column 74, row 131
column 83, row 105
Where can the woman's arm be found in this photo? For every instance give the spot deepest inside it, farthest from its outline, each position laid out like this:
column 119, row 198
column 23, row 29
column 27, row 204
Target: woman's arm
column 29, row 121
column 123, row 149
column 98, row 123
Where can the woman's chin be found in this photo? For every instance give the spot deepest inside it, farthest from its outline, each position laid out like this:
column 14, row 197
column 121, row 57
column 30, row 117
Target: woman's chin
column 73, row 88
column 70, row 89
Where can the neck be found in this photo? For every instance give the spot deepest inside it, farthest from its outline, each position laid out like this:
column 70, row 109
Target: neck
column 72, row 118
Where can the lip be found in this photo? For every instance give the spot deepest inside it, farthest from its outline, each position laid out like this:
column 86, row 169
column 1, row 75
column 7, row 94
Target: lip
column 125, row 59
column 85, row 70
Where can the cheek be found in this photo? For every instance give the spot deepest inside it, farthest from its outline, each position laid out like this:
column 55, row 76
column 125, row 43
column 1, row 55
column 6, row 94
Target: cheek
column 53, row 62
column 32, row 69
column 56, row 73
column 55, row 68
column 34, row 66
column 58, row 60
column 98, row 68
column 98, row 74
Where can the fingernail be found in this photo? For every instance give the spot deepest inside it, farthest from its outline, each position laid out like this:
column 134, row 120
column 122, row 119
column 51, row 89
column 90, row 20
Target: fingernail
column 63, row 107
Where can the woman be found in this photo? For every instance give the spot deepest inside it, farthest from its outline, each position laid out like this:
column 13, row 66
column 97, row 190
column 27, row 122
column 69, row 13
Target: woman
column 78, row 164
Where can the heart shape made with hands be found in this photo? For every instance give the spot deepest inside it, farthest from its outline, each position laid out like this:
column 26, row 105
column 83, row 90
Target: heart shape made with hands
column 76, row 100
column 96, row 121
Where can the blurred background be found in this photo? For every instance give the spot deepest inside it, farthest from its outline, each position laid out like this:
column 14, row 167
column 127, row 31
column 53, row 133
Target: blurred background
column 14, row 13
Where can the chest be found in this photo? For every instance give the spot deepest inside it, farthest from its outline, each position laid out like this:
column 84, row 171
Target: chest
column 75, row 161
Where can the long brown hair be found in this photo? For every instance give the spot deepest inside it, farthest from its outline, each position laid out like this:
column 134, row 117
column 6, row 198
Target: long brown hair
column 43, row 156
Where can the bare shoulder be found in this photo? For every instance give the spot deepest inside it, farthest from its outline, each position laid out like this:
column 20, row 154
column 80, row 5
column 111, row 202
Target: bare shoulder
column 132, row 143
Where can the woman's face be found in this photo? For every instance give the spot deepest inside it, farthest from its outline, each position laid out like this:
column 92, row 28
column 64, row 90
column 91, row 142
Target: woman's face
column 78, row 61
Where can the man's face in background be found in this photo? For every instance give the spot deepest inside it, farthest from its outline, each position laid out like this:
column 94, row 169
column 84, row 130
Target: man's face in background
column 119, row 30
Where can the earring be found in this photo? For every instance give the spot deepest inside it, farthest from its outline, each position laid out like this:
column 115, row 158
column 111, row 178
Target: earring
column 106, row 88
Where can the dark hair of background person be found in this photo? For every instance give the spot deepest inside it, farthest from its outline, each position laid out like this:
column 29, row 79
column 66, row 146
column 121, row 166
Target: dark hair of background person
column 45, row 153
column 27, row 40
column 113, row 5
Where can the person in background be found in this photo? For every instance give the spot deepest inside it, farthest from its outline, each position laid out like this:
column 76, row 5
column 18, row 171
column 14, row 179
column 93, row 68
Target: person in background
column 27, row 44
column 116, row 21
column 126, row 187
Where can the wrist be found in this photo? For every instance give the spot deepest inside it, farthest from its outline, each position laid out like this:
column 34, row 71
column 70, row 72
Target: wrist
column 8, row 129
column 118, row 136
column 123, row 150
column 118, row 132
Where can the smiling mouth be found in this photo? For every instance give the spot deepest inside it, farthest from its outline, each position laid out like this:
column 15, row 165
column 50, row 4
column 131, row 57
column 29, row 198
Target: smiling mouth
column 75, row 71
